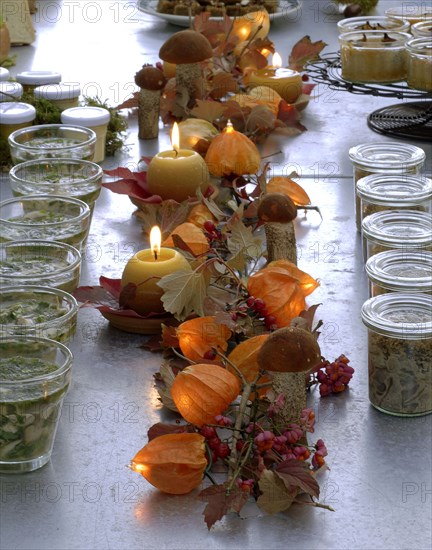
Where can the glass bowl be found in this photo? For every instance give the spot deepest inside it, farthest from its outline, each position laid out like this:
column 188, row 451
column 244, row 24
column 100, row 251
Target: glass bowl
column 69, row 177
column 45, row 217
column 52, row 141
column 35, row 374
column 38, row 311
column 44, row 263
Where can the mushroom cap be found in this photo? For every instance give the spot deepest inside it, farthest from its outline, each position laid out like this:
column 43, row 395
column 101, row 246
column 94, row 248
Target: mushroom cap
column 186, row 47
column 276, row 207
column 289, row 349
column 150, row 78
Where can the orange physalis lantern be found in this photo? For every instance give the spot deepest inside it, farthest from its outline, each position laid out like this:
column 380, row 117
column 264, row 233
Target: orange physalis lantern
column 173, row 463
column 198, row 336
column 201, row 392
column 245, row 358
column 283, row 287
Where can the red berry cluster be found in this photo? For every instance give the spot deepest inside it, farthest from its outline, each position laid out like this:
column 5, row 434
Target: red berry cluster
column 255, row 307
column 334, row 377
column 213, row 234
column 217, row 448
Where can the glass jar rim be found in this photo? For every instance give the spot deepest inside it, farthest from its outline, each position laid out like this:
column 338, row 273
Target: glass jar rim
column 62, row 369
column 397, row 189
column 398, row 227
column 393, row 315
column 43, row 163
column 84, row 209
column 347, row 24
column 360, row 39
column 385, row 267
column 17, row 290
column 419, row 44
column 91, row 135
column 386, row 155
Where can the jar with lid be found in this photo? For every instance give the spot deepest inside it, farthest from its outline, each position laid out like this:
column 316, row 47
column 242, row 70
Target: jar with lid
column 10, row 91
column 373, row 56
column 386, row 157
column 15, row 115
column 399, row 271
column 4, row 74
column 63, row 96
column 95, row 118
column 399, row 192
column 406, row 230
column 31, row 79
column 399, row 352
column 422, row 29
column 419, row 64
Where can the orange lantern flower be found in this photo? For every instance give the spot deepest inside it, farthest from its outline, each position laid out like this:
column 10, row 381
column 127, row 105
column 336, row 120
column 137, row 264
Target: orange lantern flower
column 245, row 358
column 198, row 336
column 201, row 392
column 283, row 287
column 173, row 463
column 285, row 185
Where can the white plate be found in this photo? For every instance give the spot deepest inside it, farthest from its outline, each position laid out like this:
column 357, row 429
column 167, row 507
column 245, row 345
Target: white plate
column 286, row 7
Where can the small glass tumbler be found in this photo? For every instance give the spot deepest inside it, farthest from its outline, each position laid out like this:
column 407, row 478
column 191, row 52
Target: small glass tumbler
column 400, row 352
column 35, row 374
column 80, row 179
column 44, row 263
column 419, row 64
column 45, row 217
column 48, row 141
column 38, row 311
column 399, row 271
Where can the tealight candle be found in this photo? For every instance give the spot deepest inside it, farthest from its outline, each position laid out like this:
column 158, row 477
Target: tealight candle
column 287, row 83
column 146, row 268
column 177, row 174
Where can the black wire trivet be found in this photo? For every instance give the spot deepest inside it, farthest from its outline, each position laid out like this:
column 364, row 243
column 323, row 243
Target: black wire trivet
column 406, row 120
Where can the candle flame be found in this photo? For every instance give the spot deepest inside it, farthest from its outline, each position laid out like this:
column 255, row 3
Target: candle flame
column 155, row 240
column 175, row 137
column 277, row 60
column 229, row 128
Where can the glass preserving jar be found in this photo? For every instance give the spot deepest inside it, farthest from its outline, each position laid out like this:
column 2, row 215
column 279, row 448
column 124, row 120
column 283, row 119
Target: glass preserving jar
column 419, row 63
column 386, row 157
column 372, row 23
column 422, row 29
column 406, row 230
column 412, row 12
column 399, row 352
column 399, row 271
column 399, row 192
column 373, row 56
column 15, row 115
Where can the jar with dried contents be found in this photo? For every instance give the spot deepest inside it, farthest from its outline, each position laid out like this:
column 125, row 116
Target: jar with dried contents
column 399, row 271
column 400, row 353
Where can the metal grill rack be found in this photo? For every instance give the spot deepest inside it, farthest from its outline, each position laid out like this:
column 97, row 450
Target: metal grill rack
column 405, row 120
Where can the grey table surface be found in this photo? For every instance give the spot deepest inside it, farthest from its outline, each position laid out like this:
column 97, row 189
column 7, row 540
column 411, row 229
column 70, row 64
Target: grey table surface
column 379, row 480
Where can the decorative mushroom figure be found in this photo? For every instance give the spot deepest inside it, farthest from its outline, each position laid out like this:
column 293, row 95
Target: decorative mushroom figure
column 186, row 49
column 151, row 81
column 289, row 353
column 278, row 211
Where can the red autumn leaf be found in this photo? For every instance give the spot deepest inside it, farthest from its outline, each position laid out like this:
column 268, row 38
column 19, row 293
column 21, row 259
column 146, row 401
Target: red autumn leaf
column 288, row 113
column 130, row 103
column 295, row 473
column 303, row 51
column 307, row 88
column 162, row 429
column 169, row 337
column 113, row 286
column 127, row 293
column 133, row 184
column 90, row 296
column 219, row 503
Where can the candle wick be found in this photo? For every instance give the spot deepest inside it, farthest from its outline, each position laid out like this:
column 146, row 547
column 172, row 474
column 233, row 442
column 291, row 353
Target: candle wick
column 175, row 152
column 155, row 254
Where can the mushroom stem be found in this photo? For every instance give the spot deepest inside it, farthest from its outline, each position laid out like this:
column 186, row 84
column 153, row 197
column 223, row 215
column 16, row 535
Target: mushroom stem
column 293, row 386
column 281, row 241
column 188, row 76
column 148, row 113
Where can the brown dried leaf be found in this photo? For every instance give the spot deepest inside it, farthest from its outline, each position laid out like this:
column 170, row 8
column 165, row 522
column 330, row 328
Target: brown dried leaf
column 222, row 84
column 208, row 110
column 260, row 118
column 303, row 51
column 169, row 337
column 243, row 241
column 296, row 474
column 219, row 503
column 184, row 293
column 127, row 293
column 167, row 215
column 275, row 496
column 164, row 387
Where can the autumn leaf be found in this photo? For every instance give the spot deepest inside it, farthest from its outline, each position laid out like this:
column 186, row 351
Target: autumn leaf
column 164, row 381
column 296, row 474
column 130, row 103
column 261, row 118
column 208, row 110
column 133, row 184
column 303, row 51
column 167, row 215
column 275, row 496
column 127, row 293
column 222, row 84
column 219, row 503
column 184, row 293
column 241, row 240
column 252, row 60
column 169, row 337
column 192, row 236
column 91, row 296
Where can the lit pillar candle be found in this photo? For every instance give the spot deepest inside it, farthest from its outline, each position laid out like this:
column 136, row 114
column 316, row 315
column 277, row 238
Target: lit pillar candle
column 287, row 83
column 177, row 174
column 146, row 268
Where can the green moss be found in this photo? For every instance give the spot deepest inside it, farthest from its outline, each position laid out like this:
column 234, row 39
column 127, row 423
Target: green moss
column 116, row 126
